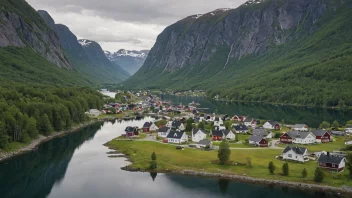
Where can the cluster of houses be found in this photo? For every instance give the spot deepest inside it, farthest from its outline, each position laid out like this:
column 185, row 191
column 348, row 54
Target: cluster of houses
column 334, row 162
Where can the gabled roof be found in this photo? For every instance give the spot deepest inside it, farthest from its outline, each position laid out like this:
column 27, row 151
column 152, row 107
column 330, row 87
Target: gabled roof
column 273, row 123
column 299, row 125
column 204, row 142
column 297, row 150
column 226, row 132
column 298, row 134
column 163, row 129
column 330, row 159
column 248, row 119
column 255, row 138
column 176, row 123
column 241, row 127
column 319, row 132
column 130, row 129
column 259, row 132
column 147, row 124
column 175, row 134
column 194, row 131
column 217, row 119
column 217, row 133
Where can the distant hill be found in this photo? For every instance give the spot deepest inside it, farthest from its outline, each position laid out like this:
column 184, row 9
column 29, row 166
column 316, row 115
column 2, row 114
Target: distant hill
column 131, row 61
column 279, row 51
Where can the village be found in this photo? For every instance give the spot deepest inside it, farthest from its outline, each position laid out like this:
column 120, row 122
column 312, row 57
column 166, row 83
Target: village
column 186, row 126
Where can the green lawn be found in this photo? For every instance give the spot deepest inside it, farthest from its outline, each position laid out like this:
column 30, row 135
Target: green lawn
column 141, row 136
column 168, row 158
column 235, row 145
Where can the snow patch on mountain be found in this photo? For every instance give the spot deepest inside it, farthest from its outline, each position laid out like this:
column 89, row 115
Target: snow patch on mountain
column 123, row 52
column 84, row 42
column 251, row 2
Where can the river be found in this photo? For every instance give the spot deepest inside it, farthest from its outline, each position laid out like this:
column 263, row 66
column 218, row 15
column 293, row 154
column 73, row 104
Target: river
column 312, row 116
column 78, row 166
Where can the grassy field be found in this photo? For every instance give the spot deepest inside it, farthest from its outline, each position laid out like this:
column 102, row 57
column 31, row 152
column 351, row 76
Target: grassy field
column 235, row 145
column 168, row 158
column 141, row 136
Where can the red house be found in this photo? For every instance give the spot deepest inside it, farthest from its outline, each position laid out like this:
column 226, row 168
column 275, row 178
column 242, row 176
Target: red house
column 285, row 138
column 239, row 118
column 322, row 136
column 258, row 141
column 131, row 131
column 331, row 162
column 217, row 135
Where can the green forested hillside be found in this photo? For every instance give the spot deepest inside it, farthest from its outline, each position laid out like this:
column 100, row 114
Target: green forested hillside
column 29, row 110
column 313, row 68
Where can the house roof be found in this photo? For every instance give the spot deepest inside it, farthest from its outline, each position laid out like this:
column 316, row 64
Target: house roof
column 194, row 131
column 297, row 150
column 273, row 123
column 330, row 159
column 299, row 125
column 298, row 134
column 217, row 133
column 130, row 129
column 248, row 119
column 163, row 129
column 240, row 127
column 217, row 119
column 175, row 134
column 147, row 124
column 259, row 132
column 226, row 132
column 176, row 123
column 204, row 142
column 319, row 132
column 255, row 138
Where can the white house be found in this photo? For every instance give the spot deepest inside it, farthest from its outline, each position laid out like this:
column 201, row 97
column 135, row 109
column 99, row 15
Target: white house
column 218, row 121
column 94, row 112
column 298, row 154
column 149, row 126
column 300, row 127
column 262, row 133
column 163, row 131
column 229, row 134
column 299, row 137
column 348, row 128
column 272, row 125
column 248, row 121
column 198, row 135
column 177, row 137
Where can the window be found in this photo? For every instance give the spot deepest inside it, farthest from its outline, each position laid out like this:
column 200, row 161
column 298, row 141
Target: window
column 333, row 165
column 290, row 155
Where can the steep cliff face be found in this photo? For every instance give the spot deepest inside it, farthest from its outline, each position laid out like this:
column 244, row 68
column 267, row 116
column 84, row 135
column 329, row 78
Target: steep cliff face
column 21, row 27
column 253, row 28
column 131, row 61
column 89, row 61
column 264, row 50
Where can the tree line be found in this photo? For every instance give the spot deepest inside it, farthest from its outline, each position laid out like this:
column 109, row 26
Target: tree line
column 27, row 111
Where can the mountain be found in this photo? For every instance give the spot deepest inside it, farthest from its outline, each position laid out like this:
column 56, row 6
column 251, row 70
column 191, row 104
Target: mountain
column 131, row 61
column 30, row 51
column 90, row 61
column 20, row 29
column 278, row 51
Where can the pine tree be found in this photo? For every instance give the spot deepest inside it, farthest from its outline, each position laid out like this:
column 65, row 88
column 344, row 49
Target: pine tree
column 153, row 164
column 271, row 167
column 224, row 152
column 318, row 175
column 153, row 156
column 285, row 169
column 304, row 173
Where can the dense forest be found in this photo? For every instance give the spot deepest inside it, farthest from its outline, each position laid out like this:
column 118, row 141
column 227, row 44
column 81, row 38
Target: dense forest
column 27, row 111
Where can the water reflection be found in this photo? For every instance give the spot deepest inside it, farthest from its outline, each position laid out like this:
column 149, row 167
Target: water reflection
column 223, row 185
column 153, row 175
column 289, row 114
column 35, row 173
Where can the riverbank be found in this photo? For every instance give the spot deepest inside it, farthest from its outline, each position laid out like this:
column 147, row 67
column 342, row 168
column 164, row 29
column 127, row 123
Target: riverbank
column 42, row 139
column 204, row 163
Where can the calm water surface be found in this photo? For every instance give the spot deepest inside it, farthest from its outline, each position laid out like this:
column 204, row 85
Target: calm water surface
column 77, row 166
column 312, row 116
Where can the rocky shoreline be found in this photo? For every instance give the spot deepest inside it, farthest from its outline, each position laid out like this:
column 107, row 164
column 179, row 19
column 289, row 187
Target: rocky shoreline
column 35, row 143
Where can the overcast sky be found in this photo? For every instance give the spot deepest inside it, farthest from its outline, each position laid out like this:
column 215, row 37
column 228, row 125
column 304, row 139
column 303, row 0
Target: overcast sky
column 125, row 24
